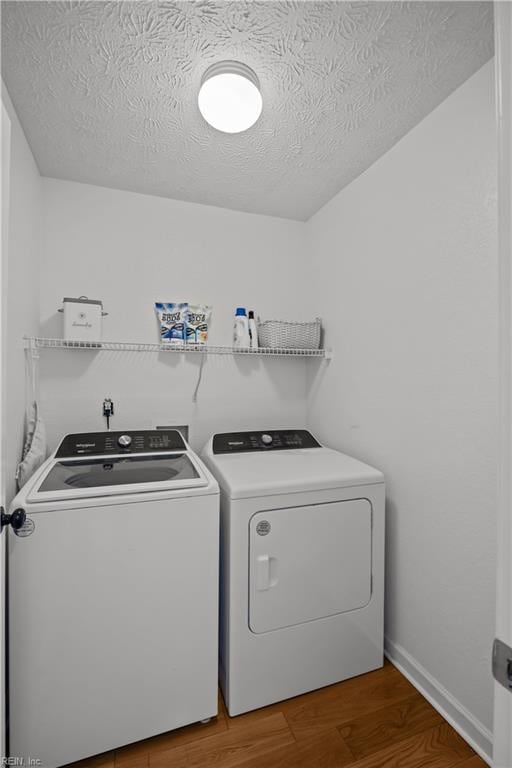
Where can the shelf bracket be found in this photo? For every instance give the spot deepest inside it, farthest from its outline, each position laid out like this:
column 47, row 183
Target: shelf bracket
column 30, row 345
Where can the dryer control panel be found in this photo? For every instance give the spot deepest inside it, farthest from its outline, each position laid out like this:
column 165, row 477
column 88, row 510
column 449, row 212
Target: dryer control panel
column 115, row 443
column 268, row 440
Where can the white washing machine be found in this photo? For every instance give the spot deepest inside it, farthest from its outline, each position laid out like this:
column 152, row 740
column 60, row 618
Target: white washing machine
column 113, row 596
column 302, row 565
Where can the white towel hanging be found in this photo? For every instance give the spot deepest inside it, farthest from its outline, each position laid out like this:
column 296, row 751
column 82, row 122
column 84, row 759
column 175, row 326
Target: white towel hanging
column 35, row 447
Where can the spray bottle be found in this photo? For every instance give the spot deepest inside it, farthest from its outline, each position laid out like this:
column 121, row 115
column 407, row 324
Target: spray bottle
column 253, row 331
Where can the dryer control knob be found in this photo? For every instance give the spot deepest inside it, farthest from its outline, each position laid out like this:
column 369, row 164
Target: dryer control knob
column 124, row 441
column 266, row 439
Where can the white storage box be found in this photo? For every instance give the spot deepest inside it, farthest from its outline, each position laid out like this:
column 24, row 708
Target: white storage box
column 82, row 319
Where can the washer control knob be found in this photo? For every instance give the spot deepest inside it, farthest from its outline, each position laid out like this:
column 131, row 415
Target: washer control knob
column 124, row 441
column 266, row 439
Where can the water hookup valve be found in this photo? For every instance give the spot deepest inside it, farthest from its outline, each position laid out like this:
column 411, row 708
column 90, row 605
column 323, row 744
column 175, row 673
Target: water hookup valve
column 108, row 410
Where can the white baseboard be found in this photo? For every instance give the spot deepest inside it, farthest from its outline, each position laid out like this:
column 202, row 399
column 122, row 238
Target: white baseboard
column 471, row 729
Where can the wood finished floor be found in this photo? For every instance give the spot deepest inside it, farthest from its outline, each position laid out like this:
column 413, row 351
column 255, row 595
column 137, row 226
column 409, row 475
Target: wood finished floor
column 377, row 720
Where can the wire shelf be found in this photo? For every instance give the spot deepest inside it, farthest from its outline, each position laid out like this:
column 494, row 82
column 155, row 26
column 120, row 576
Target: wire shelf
column 200, row 349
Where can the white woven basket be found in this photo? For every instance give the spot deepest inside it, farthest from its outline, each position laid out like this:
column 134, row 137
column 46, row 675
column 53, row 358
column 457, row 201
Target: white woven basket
column 281, row 334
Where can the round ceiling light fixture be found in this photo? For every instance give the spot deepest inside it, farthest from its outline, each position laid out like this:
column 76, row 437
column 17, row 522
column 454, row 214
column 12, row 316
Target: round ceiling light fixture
column 229, row 98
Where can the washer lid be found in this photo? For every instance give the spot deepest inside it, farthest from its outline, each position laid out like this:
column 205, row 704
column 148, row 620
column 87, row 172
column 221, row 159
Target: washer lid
column 113, row 475
column 246, row 475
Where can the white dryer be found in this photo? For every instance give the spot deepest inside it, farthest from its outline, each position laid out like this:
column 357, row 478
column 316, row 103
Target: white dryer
column 302, row 565
column 113, row 596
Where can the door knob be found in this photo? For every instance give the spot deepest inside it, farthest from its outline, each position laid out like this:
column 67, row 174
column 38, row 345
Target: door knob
column 16, row 519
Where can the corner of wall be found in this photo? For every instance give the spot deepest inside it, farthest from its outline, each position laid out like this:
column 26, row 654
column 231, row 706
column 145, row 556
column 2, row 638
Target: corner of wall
column 20, row 285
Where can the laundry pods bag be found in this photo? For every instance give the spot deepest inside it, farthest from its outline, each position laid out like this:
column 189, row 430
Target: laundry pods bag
column 173, row 321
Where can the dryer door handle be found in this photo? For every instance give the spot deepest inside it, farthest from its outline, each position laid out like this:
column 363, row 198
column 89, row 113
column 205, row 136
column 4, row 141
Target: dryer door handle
column 266, row 572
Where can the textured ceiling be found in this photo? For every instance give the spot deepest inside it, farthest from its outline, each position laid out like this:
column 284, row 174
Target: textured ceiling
column 107, row 91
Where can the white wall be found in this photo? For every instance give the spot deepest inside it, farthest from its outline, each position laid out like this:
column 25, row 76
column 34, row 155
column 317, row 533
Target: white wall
column 22, row 277
column 406, row 267
column 131, row 250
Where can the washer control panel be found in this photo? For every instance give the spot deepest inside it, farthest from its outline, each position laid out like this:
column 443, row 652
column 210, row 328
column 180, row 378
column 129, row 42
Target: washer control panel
column 112, row 443
column 268, row 440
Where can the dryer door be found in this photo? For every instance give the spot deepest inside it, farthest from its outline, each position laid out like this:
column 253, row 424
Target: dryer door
column 308, row 563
